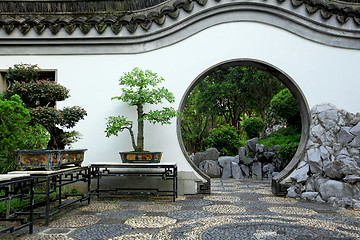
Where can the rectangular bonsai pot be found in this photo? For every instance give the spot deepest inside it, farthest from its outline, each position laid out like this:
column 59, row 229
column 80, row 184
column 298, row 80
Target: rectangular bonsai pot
column 140, row 157
column 49, row 159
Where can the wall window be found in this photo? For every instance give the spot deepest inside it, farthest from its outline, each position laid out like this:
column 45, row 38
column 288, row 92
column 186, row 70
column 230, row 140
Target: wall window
column 50, row 74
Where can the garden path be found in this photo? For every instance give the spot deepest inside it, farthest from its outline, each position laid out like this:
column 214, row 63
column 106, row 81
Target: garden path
column 236, row 209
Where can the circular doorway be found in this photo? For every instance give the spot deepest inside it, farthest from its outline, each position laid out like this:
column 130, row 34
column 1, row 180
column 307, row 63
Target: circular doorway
column 278, row 187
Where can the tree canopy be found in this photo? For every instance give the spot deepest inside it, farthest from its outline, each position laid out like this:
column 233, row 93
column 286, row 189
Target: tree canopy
column 227, row 96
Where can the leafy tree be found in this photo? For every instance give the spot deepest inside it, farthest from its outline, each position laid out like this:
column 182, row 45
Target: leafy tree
column 261, row 88
column 222, row 93
column 226, row 96
column 284, row 105
column 253, row 127
column 40, row 97
column 140, row 88
column 194, row 124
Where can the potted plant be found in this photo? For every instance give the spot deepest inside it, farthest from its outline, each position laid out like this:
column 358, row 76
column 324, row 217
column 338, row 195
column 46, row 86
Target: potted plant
column 139, row 88
column 39, row 97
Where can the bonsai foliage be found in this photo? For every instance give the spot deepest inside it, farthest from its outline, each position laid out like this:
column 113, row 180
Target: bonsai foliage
column 23, row 73
column 40, row 97
column 140, row 88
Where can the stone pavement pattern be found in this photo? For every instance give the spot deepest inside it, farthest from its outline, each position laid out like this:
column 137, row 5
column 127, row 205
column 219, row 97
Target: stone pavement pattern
column 236, row 209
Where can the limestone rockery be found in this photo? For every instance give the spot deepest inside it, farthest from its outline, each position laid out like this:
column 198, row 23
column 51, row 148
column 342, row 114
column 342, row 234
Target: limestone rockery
column 254, row 161
column 330, row 169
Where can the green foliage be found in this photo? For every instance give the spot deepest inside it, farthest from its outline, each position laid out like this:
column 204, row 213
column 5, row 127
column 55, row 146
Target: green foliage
column 282, row 136
column 284, row 105
column 287, row 151
column 22, row 73
column 70, row 137
column 40, row 97
column 117, row 124
column 35, row 137
column 71, row 115
column 287, row 138
column 140, row 88
column 226, row 96
column 40, row 93
column 46, row 116
column 161, row 116
column 49, row 116
column 224, row 138
column 194, row 124
column 253, row 127
column 13, row 118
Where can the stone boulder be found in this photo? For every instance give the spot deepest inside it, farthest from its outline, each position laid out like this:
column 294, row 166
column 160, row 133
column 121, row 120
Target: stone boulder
column 236, row 171
column 209, row 154
column 212, row 154
column 226, row 171
column 330, row 169
column 256, row 170
column 250, row 145
column 198, row 158
column 337, row 189
column 226, row 160
column 242, row 155
column 311, row 196
column 246, row 170
column 300, row 175
column 210, row 168
column 268, row 170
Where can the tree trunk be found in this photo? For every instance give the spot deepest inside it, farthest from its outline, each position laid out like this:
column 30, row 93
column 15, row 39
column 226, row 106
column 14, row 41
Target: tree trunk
column 56, row 139
column 140, row 134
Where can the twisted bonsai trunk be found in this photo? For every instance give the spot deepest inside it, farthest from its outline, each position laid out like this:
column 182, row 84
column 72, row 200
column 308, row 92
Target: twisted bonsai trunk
column 56, row 138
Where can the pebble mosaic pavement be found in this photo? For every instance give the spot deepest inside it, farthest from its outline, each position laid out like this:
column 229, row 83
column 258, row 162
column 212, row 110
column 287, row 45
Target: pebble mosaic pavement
column 236, row 209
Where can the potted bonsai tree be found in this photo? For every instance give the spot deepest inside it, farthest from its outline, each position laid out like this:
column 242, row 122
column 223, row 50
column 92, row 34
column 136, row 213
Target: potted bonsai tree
column 140, row 88
column 39, row 97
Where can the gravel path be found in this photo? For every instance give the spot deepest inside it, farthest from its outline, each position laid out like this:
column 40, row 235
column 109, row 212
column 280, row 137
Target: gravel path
column 236, row 209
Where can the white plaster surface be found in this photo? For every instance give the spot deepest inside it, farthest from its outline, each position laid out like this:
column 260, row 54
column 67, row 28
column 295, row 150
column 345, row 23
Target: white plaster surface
column 323, row 73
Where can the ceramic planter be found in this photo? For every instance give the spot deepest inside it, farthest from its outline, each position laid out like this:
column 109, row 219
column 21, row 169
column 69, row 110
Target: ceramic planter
column 140, row 157
column 49, row 159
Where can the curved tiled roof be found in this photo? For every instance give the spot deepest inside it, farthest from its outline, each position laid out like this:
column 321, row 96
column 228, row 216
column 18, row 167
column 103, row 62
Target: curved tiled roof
column 131, row 14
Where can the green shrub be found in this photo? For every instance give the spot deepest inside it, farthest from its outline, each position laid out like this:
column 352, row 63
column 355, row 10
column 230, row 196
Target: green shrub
column 13, row 119
column 16, row 133
column 224, row 138
column 287, row 151
column 281, row 137
column 284, row 105
column 287, row 138
column 35, row 137
column 253, row 127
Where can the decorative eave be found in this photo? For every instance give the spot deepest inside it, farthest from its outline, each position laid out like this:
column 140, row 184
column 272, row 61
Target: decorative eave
column 117, row 15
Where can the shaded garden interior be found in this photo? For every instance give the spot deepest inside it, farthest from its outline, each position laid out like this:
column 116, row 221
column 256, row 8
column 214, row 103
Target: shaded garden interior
column 231, row 105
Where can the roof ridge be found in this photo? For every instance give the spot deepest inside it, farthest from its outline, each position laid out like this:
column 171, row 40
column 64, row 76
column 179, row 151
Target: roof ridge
column 94, row 15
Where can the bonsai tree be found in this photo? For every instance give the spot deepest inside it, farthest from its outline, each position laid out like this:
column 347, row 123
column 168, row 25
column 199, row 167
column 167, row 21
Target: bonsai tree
column 40, row 97
column 140, row 88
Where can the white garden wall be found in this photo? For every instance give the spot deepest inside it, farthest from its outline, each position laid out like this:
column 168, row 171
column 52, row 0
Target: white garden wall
column 323, row 73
